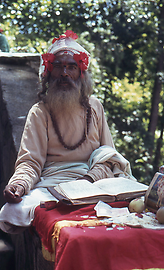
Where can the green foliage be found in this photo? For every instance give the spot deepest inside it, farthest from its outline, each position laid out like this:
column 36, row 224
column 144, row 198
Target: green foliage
column 126, row 39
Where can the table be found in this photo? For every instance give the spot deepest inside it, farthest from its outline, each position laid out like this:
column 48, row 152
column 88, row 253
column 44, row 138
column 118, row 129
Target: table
column 98, row 247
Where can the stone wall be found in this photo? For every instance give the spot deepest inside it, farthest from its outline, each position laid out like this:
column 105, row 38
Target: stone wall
column 19, row 84
column 7, row 147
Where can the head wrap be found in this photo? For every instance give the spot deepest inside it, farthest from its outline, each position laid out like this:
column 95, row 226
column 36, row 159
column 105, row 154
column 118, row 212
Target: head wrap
column 65, row 42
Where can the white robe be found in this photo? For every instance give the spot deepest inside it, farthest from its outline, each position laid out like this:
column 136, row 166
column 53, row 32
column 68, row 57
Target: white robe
column 22, row 214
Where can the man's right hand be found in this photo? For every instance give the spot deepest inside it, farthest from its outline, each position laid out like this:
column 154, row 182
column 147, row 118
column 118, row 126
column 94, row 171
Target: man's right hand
column 13, row 193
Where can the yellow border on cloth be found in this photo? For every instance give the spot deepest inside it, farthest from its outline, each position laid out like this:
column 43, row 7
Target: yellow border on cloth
column 46, row 254
column 69, row 223
column 72, row 223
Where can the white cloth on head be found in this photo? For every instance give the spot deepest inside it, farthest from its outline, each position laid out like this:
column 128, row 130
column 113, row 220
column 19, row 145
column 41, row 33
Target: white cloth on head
column 65, row 43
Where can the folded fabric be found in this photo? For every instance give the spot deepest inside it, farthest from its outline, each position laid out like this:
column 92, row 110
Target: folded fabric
column 120, row 164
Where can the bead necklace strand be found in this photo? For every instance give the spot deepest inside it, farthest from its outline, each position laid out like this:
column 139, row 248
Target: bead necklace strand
column 73, row 147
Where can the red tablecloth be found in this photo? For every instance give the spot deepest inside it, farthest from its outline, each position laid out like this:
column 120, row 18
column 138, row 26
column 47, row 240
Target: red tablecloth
column 99, row 248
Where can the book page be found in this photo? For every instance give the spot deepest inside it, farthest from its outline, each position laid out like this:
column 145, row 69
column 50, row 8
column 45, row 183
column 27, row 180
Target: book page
column 119, row 185
column 80, row 189
column 59, row 190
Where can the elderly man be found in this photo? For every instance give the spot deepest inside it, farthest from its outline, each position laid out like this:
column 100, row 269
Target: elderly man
column 66, row 136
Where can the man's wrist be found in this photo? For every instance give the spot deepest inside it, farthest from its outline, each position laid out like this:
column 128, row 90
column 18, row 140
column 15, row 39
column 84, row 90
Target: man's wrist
column 22, row 187
column 21, row 183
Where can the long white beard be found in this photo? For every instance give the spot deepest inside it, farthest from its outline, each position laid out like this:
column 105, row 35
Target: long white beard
column 63, row 98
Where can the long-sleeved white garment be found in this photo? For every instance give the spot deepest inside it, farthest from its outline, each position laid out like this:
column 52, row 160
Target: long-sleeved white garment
column 42, row 160
column 40, row 145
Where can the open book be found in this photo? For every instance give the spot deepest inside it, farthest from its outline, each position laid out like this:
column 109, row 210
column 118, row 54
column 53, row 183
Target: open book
column 106, row 190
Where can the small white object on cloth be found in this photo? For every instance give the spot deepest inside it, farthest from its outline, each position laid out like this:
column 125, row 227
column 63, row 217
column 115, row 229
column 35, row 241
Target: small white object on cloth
column 104, row 210
column 144, row 220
